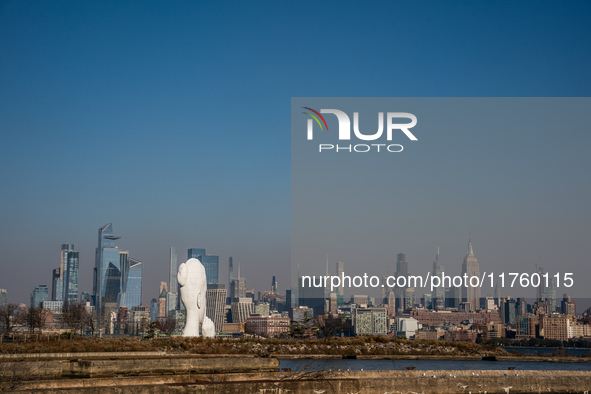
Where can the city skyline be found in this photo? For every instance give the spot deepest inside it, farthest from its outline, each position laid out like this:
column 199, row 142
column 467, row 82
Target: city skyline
column 400, row 267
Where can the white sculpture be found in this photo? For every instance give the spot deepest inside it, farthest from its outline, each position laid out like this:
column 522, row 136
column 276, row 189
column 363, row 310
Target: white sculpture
column 192, row 278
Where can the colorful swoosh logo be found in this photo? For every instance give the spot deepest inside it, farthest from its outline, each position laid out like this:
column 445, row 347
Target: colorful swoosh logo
column 315, row 118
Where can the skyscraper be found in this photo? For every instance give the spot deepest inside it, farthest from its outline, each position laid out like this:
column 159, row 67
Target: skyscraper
column 70, row 276
column 131, row 295
column 401, row 270
column 238, row 286
column 3, row 298
column 438, row 296
column 39, row 295
column 57, row 283
column 471, row 268
column 230, row 280
column 210, row 262
column 340, row 268
column 274, row 284
column 57, row 289
column 107, row 271
column 172, row 282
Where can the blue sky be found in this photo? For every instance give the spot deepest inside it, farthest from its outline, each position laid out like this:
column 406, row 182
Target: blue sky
column 172, row 120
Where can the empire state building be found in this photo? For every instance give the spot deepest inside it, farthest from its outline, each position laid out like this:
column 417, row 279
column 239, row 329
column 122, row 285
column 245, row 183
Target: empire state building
column 470, row 267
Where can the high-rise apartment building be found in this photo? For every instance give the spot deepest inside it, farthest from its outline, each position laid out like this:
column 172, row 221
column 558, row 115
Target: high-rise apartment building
column 216, row 302
column 210, row 262
column 173, row 271
column 470, row 267
column 70, row 276
column 39, row 295
column 107, row 271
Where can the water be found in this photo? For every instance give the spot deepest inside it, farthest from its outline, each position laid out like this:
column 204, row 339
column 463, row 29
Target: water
column 548, row 350
column 423, row 365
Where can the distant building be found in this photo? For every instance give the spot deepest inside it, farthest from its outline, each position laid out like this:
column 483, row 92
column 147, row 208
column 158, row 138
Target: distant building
column 268, row 326
column 139, row 320
column 370, row 321
column 131, row 295
column 70, row 276
column 233, row 328
column 401, row 270
column 568, row 307
column 241, row 309
column 261, row 309
column 495, row 330
column 57, row 289
column 53, row 306
column 210, row 262
column 107, row 271
column 85, row 297
column 460, row 335
column 162, row 304
column 438, row 318
column 438, row 295
column 274, row 285
column 526, row 326
column 39, row 295
column 154, row 310
column 301, row 313
column 216, row 302
column 360, row 300
column 557, row 327
column 508, row 311
column 171, row 302
column 312, row 297
column 172, row 276
column 340, row 268
column 471, row 268
column 407, row 327
column 409, row 298
column 3, row 298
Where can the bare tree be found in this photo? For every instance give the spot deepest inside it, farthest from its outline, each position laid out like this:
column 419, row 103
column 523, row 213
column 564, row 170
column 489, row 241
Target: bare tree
column 73, row 315
column 7, row 317
column 36, row 318
column 91, row 320
column 167, row 325
column 330, row 324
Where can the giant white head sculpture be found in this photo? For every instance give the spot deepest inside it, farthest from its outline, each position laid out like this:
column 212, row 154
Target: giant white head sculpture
column 193, row 283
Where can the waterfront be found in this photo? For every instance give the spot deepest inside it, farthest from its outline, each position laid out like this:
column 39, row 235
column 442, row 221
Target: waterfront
column 423, row 365
column 544, row 351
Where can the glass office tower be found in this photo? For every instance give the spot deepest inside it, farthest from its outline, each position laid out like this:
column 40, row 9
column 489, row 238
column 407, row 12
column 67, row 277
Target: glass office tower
column 70, row 277
column 132, row 296
column 107, row 271
column 39, row 295
column 210, row 262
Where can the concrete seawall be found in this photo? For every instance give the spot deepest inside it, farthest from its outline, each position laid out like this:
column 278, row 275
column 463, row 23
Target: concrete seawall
column 162, row 373
column 361, row 382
